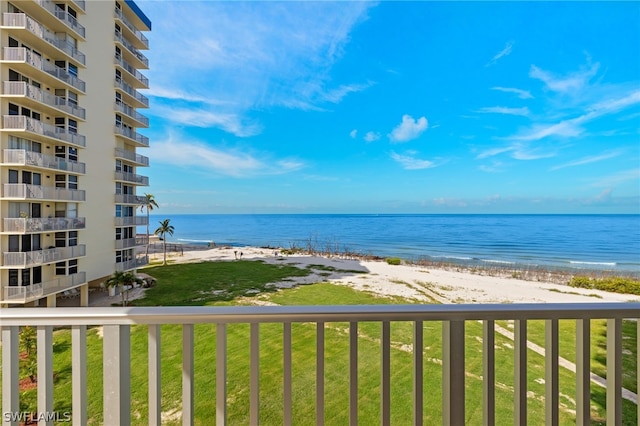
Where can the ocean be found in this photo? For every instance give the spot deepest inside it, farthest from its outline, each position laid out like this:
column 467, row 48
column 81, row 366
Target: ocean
column 593, row 242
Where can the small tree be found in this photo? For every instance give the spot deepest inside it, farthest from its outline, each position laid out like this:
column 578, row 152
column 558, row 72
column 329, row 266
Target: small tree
column 149, row 203
column 28, row 346
column 123, row 280
column 162, row 231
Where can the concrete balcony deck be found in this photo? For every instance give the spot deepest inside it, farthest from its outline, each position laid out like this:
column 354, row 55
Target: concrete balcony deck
column 116, row 358
column 22, row 157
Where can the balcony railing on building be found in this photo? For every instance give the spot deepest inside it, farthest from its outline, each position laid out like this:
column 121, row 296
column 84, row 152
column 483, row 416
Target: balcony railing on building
column 132, row 156
column 137, row 75
column 22, row 157
column 132, row 178
column 23, row 191
column 20, row 225
column 32, row 292
column 131, row 135
column 141, row 120
column 28, row 124
column 22, row 89
column 131, row 221
column 21, row 20
column 141, row 100
column 22, row 55
column 42, row 257
column 451, row 319
column 128, row 265
column 139, row 37
column 132, row 242
column 129, row 199
column 142, row 60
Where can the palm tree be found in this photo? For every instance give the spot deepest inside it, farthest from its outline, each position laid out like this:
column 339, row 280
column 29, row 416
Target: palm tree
column 161, row 232
column 123, row 280
column 149, row 203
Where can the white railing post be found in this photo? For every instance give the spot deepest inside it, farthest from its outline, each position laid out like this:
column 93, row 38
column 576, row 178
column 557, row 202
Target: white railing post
column 614, row 371
column 583, row 372
column 488, row 373
column 10, row 375
column 45, row 373
column 453, row 373
column 418, row 373
column 155, row 394
column 187, row 374
column 79, row 374
column 221, row 374
column 551, row 356
column 116, row 375
column 520, row 372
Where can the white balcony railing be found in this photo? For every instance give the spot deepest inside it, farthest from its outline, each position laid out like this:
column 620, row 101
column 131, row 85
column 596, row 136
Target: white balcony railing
column 131, row 112
column 22, row 157
column 131, row 242
column 116, row 357
column 29, row 293
column 21, row 54
column 130, row 199
column 129, row 90
column 21, row 20
column 132, row 156
column 131, row 134
column 21, row 88
column 21, row 225
column 131, row 48
column 129, row 265
column 41, row 257
column 28, row 124
column 131, row 221
column 137, row 33
column 23, row 191
column 132, row 178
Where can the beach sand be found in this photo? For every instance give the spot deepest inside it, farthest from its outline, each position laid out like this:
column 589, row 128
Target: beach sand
column 410, row 281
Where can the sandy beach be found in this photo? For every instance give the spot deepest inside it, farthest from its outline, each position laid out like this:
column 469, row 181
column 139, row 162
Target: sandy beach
column 406, row 280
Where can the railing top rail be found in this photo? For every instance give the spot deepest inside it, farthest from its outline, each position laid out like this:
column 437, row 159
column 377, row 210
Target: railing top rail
column 276, row 314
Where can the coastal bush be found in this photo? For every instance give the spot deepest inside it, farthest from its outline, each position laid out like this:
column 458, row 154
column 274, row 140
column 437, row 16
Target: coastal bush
column 393, row 260
column 611, row 284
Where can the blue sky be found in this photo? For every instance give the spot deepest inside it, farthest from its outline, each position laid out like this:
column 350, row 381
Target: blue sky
column 394, row 107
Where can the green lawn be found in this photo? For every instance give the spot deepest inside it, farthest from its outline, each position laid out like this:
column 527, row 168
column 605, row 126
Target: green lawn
column 225, row 283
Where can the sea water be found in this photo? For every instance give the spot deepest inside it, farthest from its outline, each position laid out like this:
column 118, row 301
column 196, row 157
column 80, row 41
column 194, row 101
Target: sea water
column 600, row 242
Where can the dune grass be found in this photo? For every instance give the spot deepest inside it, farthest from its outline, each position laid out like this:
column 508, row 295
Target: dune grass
column 187, row 283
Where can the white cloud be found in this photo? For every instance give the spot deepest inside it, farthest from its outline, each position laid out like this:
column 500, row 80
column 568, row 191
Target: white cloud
column 570, row 83
column 372, row 136
column 195, row 154
column 587, row 160
column 522, row 94
column 410, row 162
column 524, row 111
column 504, row 52
column 229, row 122
column 353, row 133
column 408, row 129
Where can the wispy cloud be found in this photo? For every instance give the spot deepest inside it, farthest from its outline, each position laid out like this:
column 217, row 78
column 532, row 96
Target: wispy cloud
column 185, row 153
column 618, row 178
column 571, row 82
column 408, row 129
column 522, row 94
column 372, row 136
column 587, row 160
column 229, row 122
column 504, row 52
column 409, row 161
column 523, row 111
column 353, row 133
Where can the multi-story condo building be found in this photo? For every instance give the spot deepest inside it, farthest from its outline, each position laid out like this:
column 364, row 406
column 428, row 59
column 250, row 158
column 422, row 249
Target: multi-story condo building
column 69, row 165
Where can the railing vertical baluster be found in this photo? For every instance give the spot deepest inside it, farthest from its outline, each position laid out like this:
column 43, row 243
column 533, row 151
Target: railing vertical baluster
column 155, row 376
column 353, row 373
column 552, row 353
column 287, row 391
column 453, row 373
column 583, row 372
column 385, row 374
column 520, row 372
column 320, row 373
column 614, row 371
column 116, row 381
column 254, row 371
column 221, row 374
column 10, row 372
column 488, row 373
column 45, row 371
column 418, row 373
column 187, row 374
column 79, row 374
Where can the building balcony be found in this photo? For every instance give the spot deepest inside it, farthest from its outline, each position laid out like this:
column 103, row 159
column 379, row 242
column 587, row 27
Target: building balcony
column 58, row 20
column 138, row 120
column 23, row 191
column 130, row 265
column 30, row 293
column 129, row 199
column 22, row 157
column 38, row 98
column 40, row 37
column 139, row 80
column 20, row 123
column 79, row 3
column 132, row 242
column 140, row 60
column 21, row 225
column 25, row 61
column 131, row 135
column 135, row 97
column 131, row 156
column 339, row 377
column 28, row 259
column 132, row 178
column 131, row 221
column 136, row 36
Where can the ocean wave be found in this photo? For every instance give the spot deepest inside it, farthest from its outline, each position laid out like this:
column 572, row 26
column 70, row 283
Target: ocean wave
column 506, row 262
column 583, row 262
column 188, row 240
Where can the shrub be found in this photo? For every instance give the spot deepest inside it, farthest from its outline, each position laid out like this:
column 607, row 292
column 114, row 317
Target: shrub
column 611, row 284
column 393, row 260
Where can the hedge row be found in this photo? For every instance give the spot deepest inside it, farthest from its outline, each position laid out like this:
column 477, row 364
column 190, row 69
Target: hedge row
column 612, row 284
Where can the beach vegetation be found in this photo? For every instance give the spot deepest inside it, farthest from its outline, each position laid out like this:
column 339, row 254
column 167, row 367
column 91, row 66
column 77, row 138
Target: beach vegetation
column 393, row 260
column 124, row 280
column 149, row 204
column 610, row 284
column 162, row 231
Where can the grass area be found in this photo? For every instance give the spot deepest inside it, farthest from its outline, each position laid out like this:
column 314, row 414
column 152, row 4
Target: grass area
column 230, row 283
